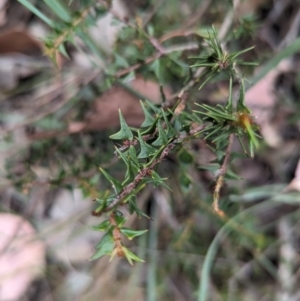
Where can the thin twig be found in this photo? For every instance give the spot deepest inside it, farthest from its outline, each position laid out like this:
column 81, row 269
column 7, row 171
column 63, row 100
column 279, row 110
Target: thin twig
column 220, row 179
column 137, row 180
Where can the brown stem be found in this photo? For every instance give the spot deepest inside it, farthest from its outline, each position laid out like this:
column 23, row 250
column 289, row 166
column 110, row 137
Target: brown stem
column 220, row 179
column 116, row 235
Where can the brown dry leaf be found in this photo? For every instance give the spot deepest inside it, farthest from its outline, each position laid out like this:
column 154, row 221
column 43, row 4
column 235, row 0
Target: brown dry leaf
column 22, row 256
column 19, row 41
column 261, row 99
column 105, row 111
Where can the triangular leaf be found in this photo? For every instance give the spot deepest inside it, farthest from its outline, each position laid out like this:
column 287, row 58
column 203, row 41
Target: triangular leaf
column 170, row 130
column 115, row 183
column 157, row 179
column 230, row 175
column 149, row 119
column 105, row 247
column 133, row 207
column 131, row 169
column 162, row 137
column 125, row 132
column 102, row 226
column 130, row 256
column 120, row 220
column 146, row 149
column 131, row 234
column 131, row 155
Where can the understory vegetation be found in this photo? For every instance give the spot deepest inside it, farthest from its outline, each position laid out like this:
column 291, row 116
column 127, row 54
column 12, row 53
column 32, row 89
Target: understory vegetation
column 177, row 123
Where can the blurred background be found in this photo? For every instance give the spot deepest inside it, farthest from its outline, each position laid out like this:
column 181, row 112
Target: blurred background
column 64, row 72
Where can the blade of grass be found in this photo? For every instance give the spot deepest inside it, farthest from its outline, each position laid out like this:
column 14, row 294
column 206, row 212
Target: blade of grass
column 59, row 9
column 288, row 51
column 37, row 12
column 216, row 243
column 152, row 263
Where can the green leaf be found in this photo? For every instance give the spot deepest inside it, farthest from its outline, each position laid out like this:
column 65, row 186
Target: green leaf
column 157, row 69
column 235, row 155
column 105, row 247
column 131, row 169
column 120, row 220
column 37, row 12
column 89, row 42
column 131, row 155
column 162, row 137
column 153, row 107
column 157, row 179
column 213, row 168
column 185, row 157
column 146, row 149
column 102, row 226
column 131, row 234
column 230, row 175
column 115, row 183
column 59, row 9
column 185, row 182
column 100, row 11
column 133, row 207
column 125, row 132
column 149, row 119
column 170, row 130
column 131, row 256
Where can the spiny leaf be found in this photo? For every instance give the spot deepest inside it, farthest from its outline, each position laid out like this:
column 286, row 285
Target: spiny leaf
column 116, row 184
column 170, row 130
column 131, row 168
column 120, row 220
column 149, row 119
column 157, row 179
column 131, row 256
column 102, row 226
column 133, row 207
column 105, row 247
column 125, row 132
column 230, row 175
column 146, row 149
column 131, row 234
column 162, row 137
column 131, row 155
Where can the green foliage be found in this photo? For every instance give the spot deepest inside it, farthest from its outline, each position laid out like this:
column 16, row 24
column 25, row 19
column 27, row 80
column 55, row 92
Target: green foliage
column 168, row 127
column 218, row 61
column 162, row 132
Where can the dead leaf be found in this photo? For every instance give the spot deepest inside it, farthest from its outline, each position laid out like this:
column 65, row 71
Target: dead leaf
column 22, row 256
column 19, row 41
column 105, row 114
column 261, row 98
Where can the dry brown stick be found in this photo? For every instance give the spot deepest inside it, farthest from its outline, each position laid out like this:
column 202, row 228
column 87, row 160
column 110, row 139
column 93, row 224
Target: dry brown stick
column 220, row 179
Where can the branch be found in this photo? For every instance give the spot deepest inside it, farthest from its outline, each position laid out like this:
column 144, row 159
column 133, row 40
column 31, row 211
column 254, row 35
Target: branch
column 220, row 179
